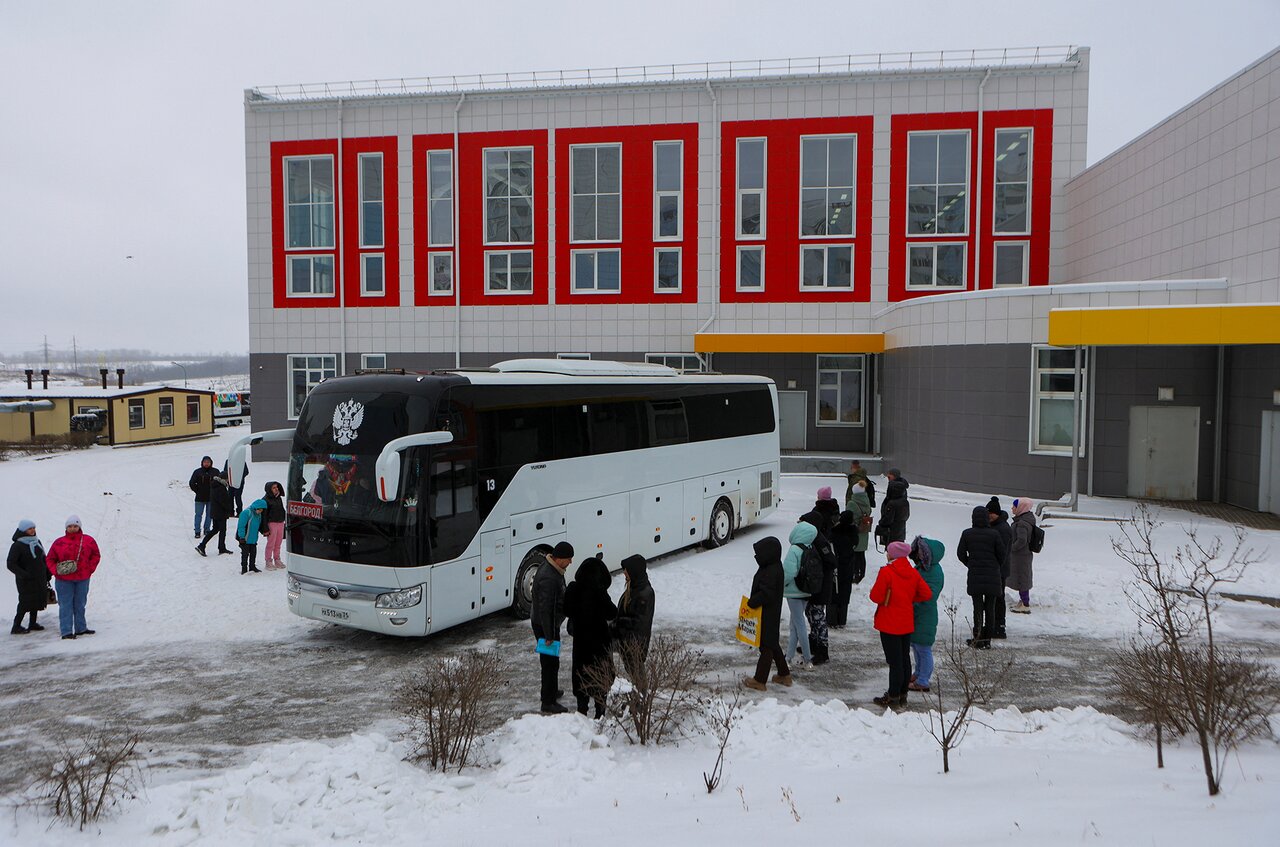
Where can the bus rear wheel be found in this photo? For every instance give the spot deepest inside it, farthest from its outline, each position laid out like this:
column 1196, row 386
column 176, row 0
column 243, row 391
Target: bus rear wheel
column 522, row 601
column 721, row 529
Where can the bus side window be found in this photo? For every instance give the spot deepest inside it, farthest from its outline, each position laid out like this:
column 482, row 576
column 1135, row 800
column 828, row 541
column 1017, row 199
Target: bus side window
column 451, row 506
column 571, row 431
column 666, row 422
column 615, row 427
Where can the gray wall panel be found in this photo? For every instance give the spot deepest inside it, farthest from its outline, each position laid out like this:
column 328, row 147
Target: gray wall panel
column 1253, row 373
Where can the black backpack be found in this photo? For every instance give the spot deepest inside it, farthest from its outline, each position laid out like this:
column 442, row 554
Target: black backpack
column 809, row 576
column 1036, row 542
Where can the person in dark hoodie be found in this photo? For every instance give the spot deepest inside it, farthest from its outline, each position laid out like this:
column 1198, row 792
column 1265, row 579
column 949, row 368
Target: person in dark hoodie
column 1000, row 522
column 766, row 595
column 201, row 479
column 844, row 540
column 27, row 563
column 981, row 550
column 221, row 509
column 588, row 609
column 898, row 587
column 895, row 511
column 815, row 609
column 634, row 624
column 273, row 520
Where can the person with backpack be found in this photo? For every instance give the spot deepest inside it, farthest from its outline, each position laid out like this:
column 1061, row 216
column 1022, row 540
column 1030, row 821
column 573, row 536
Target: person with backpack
column 980, row 550
column 927, row 555
column 766, row 595
column 898, row 587
column 844, row 537
column 862, row 506
column 815, row 610
column 801, row 540
column 1028, row 539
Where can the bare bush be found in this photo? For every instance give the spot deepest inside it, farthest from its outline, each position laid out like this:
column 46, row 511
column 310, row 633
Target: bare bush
column 660, row 697
column 966, row 678
column 450, row 704
column 1141, row 676
column 723, row 715
column 90, row 777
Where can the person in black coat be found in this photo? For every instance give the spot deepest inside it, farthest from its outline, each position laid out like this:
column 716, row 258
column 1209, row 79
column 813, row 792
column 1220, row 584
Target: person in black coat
column 546, row 616
column 31, row 572
column 981, row 549
column 826, row 506
column 815, row 610
column 999, row 519
column 199, row 483
column 588, row 609
column 634, row 624
column 766, row 595
column 895, row 511
column 844, row 538
column 221, row 508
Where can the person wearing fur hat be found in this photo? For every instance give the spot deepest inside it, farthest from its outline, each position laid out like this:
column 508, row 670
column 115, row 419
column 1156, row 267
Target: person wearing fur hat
column 1000, row 522
column 26, row 562
column 222, row 508
column 898, row 587
column 545, row 616
column 588, row 610
column 72, row 560
column 273, row 494
column 201, row 479
column 766, row 595
column 1020, row 557
column 927, row 555
column 634, row 624
column 981, row 549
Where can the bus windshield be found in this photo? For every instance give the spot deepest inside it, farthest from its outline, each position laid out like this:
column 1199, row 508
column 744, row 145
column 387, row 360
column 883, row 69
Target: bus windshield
column 334, row 512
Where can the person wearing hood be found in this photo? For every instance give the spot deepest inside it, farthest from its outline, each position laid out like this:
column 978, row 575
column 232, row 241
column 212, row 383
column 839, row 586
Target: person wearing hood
column 815, row 610
column 72, row 560
column 247, row 529
column 1020, row 556
column 927, row 555
column 589, row 609
column 221, row 508
column 634, row 624
column 863, row 509
column 895, row 511
column 273, row 494
column 898, row 587
column 766, row 595
column 802, row 536
column 981, row 549
column 999, row 519
column 201, row 479
column 844, row 539
column 27, row 564
column 545, row 617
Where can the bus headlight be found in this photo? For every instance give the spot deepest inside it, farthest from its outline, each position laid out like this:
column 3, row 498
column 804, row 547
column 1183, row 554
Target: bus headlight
column 295, row 587
column 400, row 599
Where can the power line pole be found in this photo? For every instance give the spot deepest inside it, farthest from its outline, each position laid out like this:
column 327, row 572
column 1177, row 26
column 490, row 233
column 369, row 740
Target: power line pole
column 46, row 351
column 75, row 355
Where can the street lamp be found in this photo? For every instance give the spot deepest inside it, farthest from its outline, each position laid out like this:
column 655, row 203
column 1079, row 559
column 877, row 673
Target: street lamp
column 184, row 372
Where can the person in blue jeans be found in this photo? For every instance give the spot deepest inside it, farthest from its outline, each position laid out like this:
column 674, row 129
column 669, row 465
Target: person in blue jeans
column 201, row 478
column 801, row 534
column 72, row 560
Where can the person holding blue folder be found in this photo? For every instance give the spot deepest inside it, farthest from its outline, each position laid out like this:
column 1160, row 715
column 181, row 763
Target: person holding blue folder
column 546, row 617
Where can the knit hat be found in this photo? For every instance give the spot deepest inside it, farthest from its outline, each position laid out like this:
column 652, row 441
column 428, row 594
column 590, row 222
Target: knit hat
column 26, row 524
column 73, row 520
column 562, row 550
column 860, row 486
column 993, row 505
column 920, row 552
column 824, row 493
column 898, row 550
column 1021, row 505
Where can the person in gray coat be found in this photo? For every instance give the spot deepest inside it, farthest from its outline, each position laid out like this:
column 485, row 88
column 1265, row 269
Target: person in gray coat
column 1020, row 555
column 546, row 617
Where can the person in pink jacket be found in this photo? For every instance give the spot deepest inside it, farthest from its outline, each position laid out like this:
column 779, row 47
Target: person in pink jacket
column 72, row 560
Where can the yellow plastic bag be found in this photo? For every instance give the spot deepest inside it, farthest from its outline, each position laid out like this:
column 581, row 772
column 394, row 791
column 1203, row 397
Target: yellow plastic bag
column 749, row 624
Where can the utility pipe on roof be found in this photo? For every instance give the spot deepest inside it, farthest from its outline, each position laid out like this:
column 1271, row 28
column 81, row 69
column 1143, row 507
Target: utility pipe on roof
column 457, row 251
column 981, row 192
column 715, row 227
column 338, row 251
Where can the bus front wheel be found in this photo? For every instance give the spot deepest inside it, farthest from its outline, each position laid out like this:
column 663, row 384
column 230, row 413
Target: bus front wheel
column 522, row 602
column 721, row 529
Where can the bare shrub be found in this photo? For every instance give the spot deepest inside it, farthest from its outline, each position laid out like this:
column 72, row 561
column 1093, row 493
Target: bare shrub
column 449, row 704
column 966, row 678
column 1141, row 676
column 723, row 715
column 51, row 443
column 660, row 696
column 90, row 777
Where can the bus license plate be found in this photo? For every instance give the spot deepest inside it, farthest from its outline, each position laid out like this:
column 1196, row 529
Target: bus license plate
column 334, row 614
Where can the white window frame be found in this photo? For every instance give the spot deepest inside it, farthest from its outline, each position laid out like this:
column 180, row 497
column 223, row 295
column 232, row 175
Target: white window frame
column 365, row 290
column 739, row 191
column 432, row 291
column 290, row 258
column 381, row 201
column 365, row 364
column 484, row 193
column 287, row 205
column 738, row 267
column 659, row 195
column 329, row 363
column 189, row 406
column 1031, row 138
column 595, row 265
column 682, row 363
column 657, row 251
column 853, row 189
column 1034, row 447
column 573, row 198
column 1026, row 263
column 432, row 200
column 504, row 292
column 968, row 186
column 173, row 416
column 862, row 384
column 140, row 404
column 825, row 248
column 933, row 286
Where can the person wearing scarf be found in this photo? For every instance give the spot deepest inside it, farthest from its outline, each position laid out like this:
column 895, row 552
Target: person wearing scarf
column 26, row 561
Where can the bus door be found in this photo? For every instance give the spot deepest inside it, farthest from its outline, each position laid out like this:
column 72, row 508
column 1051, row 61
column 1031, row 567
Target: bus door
column 453, row 518
column 495, row 570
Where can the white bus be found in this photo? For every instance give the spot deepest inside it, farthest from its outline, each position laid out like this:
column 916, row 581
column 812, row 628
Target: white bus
column 417, row 502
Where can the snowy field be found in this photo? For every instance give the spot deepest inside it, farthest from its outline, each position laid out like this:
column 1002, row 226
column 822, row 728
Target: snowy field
column 816, row 761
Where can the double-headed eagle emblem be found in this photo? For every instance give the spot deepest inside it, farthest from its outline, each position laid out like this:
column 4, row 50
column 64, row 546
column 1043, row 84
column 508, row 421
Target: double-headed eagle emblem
column 346, row 420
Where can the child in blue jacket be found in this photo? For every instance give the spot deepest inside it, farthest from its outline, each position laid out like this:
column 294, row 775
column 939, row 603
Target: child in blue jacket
column 247, row 534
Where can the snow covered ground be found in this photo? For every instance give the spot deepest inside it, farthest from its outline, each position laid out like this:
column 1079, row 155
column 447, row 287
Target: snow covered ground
column 170, row 622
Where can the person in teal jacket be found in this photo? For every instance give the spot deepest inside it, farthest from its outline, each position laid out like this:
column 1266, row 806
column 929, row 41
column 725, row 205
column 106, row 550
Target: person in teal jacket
column 247, row 534
column 926, row 553
column 802, row 534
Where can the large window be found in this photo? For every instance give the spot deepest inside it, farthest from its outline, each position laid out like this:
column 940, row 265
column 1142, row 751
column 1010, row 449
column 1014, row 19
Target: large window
column 309, row 210
column 371, row 209
column 305, row 373
column 509, row 272
column 1053, row 375
column 137, row 414
column 508, row 188
column 373, row 361
column 826, row 267
column 441, row 273
column 166, row 411
column 193, row 409
column 1012, row 207
column 596, row 271
column 310, row 276
column 840, row 390
column 826, row 185
column 751, row 187
column 373, row 281
column 936, row 265
column 595, row 201
column 668, row 188
column 938, row 183
column 440, row 198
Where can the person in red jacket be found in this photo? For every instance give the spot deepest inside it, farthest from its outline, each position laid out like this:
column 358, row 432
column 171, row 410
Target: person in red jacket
column 897, row 588
column 72, row 560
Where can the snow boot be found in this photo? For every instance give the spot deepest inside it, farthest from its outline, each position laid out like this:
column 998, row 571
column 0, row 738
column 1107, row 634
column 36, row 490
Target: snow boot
column 553, row 709
column 782, row 680
column 1020, row 608
column 18, row 629
column 753, row 683
column 200, row 550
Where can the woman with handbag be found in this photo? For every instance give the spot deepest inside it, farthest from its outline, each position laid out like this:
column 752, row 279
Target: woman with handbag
column 72, row 560
column 26, row 561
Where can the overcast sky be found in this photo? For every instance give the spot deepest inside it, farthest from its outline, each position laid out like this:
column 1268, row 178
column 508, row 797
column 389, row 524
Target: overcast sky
column 123, row 129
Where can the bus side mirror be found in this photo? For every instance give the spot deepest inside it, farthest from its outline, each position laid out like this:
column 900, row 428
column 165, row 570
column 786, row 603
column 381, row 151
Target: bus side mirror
column 236, row 456
column 388, row 465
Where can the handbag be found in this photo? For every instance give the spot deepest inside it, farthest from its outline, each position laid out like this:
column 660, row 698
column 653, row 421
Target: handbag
column 52, row 600
column 548, row 648
column 69, row 566
column 749, row 624
column 864, row 523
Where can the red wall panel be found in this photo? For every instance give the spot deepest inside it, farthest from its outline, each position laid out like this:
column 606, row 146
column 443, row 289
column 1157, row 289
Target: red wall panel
column 280, row 150
column 421, row 267
column 351, row 251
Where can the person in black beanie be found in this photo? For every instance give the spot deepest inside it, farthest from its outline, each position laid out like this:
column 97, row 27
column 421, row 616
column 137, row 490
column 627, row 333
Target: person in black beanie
column 1000, row 523
column 546, row 616
column 588, row 610
column 634, row 624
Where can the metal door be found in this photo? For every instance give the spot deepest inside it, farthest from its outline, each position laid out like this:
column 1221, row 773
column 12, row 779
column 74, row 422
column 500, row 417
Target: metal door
column 1164, row 452
column 793, row 419
column 495, row 570
column 1269, row 471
